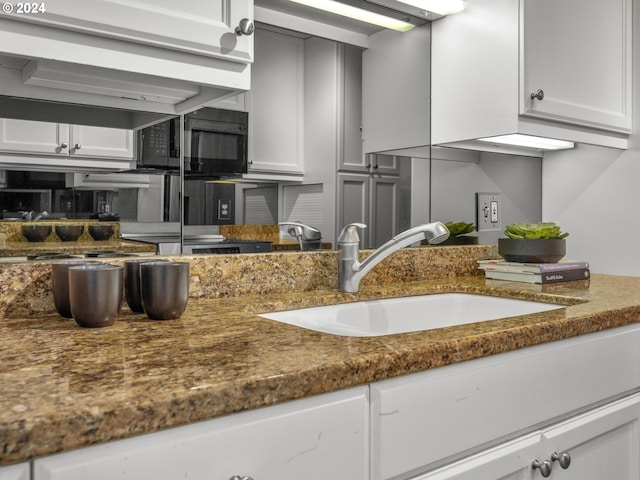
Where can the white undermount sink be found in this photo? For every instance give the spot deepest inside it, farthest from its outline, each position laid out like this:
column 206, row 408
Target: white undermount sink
column 407, row 314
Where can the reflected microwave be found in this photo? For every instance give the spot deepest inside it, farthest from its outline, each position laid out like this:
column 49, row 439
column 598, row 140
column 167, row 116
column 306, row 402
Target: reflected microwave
column 215, row 141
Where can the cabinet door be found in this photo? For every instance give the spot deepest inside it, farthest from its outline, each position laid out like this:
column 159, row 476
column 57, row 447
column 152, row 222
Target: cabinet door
column 508, row 461
column 354, row 202
column 26, row 136
column 20, row 471
column 201, row 27
column 585, row 75
column 86, row 141
column 276, row 104
column 352, row 158
column 603, row 443
column 316, row 438
column 385, row 216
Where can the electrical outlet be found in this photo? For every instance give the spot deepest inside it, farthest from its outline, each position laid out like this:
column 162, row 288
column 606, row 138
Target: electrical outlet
column 488, row 211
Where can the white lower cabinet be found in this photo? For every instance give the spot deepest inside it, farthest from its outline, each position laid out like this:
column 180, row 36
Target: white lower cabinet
column 19, row 471
column 565, row 410
column 599, row 444
column 535, row 399
column 317, row 438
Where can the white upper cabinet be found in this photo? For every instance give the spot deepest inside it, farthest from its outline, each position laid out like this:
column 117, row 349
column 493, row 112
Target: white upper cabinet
column 275, row 105
column 64, row 147
column 25, row 136
column 149, row 55
column 395, row 91
column 205, row 27
column 488, row 60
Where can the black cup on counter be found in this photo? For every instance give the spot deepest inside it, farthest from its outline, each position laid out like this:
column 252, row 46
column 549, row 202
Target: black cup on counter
column 132, row 282
column 164, row 288
column 95, row 294
column 60, row 284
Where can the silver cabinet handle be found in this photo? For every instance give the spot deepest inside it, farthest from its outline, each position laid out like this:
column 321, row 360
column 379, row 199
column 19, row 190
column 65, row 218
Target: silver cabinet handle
column 544, row 467
column 77, row 146
column 240, row 477
column 537, row 95
column 563, row 459
column 245, row 27
column 64, row 145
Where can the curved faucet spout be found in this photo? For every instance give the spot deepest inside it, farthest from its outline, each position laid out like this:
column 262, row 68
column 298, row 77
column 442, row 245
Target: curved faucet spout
column 351, row 271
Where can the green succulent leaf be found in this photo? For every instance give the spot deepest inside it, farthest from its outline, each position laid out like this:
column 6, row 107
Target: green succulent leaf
column 459, row 228
column 534, row 231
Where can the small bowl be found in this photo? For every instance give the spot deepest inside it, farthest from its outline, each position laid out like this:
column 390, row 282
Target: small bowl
column 69, row 233
column 35, row 232
column 101, row 232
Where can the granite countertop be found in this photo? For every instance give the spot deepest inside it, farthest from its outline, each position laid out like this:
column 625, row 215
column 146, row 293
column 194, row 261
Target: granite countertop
column 22, row 249
column 65, row 387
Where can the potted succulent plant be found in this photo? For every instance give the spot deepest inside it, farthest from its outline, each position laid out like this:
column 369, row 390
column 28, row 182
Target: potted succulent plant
column 458, row 234
column 542, row 242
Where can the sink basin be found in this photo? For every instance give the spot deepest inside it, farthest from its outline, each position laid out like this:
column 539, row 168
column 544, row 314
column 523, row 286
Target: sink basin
column 408, row 314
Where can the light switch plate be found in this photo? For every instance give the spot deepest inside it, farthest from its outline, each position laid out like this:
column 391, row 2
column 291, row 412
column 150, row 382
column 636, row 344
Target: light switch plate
column 488, row 211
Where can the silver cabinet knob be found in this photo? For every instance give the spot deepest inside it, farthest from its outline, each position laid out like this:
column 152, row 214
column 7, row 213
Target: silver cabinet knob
column 245, row 27
column 544, row 467
column 64, row 145
column 563, row 459
column 537, row 95
column 77, row 146
column 240, row 477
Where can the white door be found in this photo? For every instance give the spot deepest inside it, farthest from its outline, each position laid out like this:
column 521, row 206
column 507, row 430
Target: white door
column 585, row 75
column 200, row 26
column 24, row 136
column 354, row 203
column 86, row 141
column 603, row 443
column 385, row 215
column 276, row 104
column 509, row 461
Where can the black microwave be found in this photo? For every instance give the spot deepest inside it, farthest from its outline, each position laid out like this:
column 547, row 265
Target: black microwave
column 215, row 141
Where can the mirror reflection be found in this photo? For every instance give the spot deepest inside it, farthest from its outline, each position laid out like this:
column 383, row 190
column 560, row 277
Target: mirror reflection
column 133, row 175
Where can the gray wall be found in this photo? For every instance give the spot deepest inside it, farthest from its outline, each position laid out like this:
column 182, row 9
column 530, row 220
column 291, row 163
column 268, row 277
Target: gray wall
column 593, row 193
column 517, row 179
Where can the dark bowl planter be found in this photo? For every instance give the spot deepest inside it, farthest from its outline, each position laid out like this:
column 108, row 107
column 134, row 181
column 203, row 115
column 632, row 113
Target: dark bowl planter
column 550, row 250
column 69, row 233
column 460, row 240
column 101, row 232
column 36, row 232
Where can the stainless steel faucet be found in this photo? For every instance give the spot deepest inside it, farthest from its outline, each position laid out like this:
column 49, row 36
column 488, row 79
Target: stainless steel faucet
column 309, row 238
column 33, row 216
column 351, row 271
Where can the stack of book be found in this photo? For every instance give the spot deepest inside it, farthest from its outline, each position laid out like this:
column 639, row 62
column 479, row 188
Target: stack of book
column 535, row 272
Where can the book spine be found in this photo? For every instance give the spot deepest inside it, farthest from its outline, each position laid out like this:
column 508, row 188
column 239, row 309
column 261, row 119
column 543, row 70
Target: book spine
column 565, row 275
column 555, row 267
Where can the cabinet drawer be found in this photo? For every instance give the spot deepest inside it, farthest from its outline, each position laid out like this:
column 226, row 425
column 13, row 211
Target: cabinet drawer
column 315, row 438
column 422, row 419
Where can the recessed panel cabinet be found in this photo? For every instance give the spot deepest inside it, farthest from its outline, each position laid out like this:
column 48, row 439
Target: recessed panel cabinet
column 602, row 443
column 275, row 105
column 29, row 137
column 538, row 67
column 19, row 471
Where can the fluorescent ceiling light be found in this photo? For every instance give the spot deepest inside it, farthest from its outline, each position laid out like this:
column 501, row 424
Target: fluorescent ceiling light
column 529, row 141
column 441, row 7
column 358, row 14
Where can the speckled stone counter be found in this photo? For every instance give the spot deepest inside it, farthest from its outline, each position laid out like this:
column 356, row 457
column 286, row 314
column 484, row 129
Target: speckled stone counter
column 65, row 387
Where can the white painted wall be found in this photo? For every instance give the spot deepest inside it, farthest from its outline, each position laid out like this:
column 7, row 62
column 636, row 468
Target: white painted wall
column 593, row 193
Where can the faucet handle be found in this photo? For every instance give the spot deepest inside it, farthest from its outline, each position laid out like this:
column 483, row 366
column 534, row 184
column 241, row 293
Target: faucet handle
column 349, row 233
